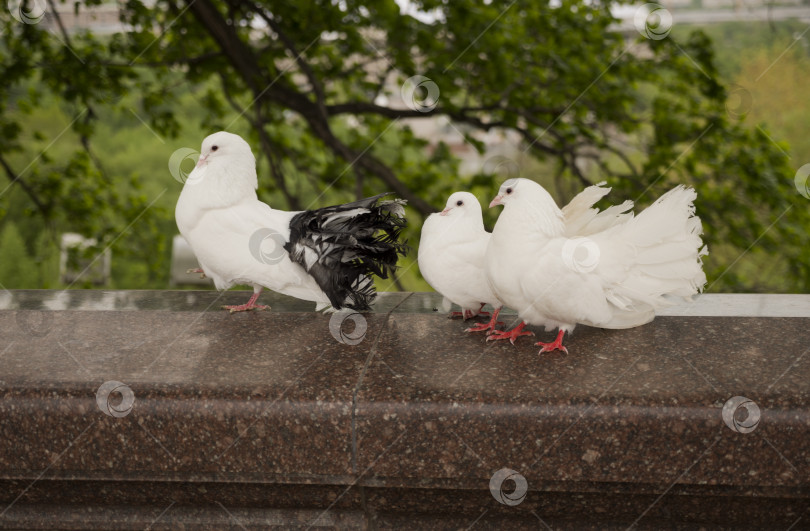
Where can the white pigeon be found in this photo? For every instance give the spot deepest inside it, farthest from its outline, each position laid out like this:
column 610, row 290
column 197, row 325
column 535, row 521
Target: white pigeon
column 451, row 254
column 326, row 255
column 606, row 269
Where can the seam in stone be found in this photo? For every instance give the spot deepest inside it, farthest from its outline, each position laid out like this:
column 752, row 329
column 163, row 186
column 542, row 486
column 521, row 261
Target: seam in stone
column 372, row 351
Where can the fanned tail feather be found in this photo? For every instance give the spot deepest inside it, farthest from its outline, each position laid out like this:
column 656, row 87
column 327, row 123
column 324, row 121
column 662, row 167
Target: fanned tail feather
column 661, row 256
column 342, row 246
column 583, row 219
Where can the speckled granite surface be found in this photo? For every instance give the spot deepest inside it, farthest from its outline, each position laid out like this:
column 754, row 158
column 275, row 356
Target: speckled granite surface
column 276, row 419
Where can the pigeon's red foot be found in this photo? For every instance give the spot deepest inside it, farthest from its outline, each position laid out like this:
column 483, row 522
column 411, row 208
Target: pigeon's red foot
column 511, row 335
column 245, row 307
column 249, row 305
column 196, row 270
column 469, row 314
column 488, row 327
column 555, row 345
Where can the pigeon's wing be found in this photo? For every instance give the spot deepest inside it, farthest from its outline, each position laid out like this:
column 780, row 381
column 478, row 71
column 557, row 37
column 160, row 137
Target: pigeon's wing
column 452, row 259
column 244, row 244
column 583, row 219
column 556, row 295
column 456, row 270
column 470, row 274
column 342, row 246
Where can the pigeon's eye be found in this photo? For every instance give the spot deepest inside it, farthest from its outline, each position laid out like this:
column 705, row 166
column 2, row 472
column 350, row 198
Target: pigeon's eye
column 508, row 190
column 214, row 148
column 459, row 203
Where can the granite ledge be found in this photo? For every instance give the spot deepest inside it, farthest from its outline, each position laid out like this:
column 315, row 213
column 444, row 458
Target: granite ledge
column 414, row 419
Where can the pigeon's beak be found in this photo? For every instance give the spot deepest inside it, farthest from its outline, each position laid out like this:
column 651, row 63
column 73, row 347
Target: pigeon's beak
column 201, row 160
column 497, row 201
column 445, row 211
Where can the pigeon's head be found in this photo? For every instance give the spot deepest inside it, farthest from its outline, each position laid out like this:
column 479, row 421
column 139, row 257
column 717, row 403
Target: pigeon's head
column 509, row 191
column 462, row 204
column 531, row 204
column 524, row 191
column 224, row 148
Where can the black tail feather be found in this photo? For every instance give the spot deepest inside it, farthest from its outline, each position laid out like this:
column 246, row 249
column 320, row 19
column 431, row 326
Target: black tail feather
column 342, row 246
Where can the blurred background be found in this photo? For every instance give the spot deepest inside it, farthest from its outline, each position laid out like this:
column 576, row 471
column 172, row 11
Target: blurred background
column 103, row 106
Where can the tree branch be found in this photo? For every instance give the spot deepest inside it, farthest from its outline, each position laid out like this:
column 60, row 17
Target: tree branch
column 247, row 67
column 17, row 179
column 317, row 86
column 458, row 115
column 575, row 169
column 152, row 64
column 268, row 147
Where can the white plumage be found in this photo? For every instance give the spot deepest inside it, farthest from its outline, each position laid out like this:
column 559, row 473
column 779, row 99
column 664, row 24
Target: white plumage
column 559, row 267
column 237, row 239
column 452, row 250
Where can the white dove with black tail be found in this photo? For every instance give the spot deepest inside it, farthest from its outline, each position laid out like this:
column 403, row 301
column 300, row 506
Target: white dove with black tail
column 607, row 269
column 452, row 248
column 327, row 255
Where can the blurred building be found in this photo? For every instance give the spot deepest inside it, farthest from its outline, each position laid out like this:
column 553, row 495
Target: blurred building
column 80, row 261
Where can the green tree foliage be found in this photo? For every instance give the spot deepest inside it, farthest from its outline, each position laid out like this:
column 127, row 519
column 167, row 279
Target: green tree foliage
column 15, row 270
column 315, row 86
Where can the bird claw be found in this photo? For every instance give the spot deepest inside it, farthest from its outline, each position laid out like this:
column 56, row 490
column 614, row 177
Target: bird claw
column 554, row 345
column 459, row 315
column 550, row 347
column 246, row 307
column 511, row 335
column 469, row 314
column 196, row 270
column 489, row 328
